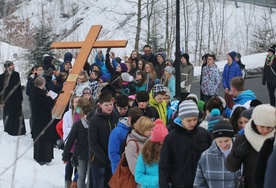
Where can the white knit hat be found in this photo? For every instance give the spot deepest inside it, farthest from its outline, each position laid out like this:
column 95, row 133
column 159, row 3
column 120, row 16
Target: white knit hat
column 188, row 108
column 264, row 115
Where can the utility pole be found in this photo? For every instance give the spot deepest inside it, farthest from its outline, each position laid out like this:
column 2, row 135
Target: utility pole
column 177, row 52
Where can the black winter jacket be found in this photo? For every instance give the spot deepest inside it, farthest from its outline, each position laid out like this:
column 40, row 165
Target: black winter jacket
column 79, row 134
column 100, row 127
column 180, row 153
column 268, row 75
column 149, row 111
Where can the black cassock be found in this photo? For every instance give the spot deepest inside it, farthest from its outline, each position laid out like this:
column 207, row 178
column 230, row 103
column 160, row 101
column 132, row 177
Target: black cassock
column 11, row 96
column 41, row 106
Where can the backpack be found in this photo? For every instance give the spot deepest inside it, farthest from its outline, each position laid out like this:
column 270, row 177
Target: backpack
column 123, row 145
column 59, row 128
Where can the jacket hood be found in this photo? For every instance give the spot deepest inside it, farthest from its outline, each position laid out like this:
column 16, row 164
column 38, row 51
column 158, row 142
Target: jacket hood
column 180, row 127
column 135, row 135
column 98, row 112
column 245, row 96
column 123, row 123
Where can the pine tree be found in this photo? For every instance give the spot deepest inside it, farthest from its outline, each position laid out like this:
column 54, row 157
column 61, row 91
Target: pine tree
column 43, row 38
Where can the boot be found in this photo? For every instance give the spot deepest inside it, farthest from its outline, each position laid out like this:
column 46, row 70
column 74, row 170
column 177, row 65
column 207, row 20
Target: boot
column 73, row 184
column 68, row 184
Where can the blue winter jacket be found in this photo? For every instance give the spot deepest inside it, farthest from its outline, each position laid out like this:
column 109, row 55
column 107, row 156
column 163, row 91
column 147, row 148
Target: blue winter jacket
column 116, row 138
column 102, row 65
column 230, row 72
column 146, row 175
column 171, row 86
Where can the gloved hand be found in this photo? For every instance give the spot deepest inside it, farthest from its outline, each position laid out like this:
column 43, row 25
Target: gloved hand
column 241, row 150
column 182, row 84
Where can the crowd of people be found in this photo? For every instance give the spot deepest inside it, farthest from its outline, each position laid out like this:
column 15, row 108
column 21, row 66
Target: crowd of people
column 129, row 108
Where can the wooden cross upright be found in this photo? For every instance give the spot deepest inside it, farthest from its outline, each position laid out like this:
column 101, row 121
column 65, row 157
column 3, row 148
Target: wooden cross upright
column 85, row 50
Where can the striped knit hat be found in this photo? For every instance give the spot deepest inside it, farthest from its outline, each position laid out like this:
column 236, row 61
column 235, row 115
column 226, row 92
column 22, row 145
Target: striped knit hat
column 188, row 108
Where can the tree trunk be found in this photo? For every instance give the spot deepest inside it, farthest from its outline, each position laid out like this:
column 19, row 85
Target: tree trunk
column 138, row 26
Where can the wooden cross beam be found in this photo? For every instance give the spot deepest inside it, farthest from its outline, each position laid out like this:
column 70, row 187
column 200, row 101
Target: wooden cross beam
column 85, row 46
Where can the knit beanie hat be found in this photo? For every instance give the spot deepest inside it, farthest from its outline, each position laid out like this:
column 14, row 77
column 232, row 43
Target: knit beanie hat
column 188, row 108
column 232, row 54
column 163, row 55
column 86, row 90
column 158, row 88
column 159, row 131
column 247, row 113
column 123, row 67
column 264, row 115
column 215, row 116
column 48, row 60
column 186, row 56
column 126, row 77
column 68, row 57
column 169, row 69
column 223, row 129
column 272, row 49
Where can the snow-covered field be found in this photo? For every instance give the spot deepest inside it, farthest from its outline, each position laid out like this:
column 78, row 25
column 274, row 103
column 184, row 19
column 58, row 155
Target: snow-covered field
column 18, row 169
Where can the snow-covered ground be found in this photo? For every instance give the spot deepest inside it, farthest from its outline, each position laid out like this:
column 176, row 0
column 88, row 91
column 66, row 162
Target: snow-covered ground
column 18, row 169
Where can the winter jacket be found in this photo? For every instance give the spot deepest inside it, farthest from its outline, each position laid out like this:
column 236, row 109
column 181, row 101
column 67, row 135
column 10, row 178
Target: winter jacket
column 112, row 69
column 150, row 111
column 100, row 127
column 79, row 88
column 146, row 175
column 180, row 153
column 149, row 83
column 249, row 161
column 78, row 134
column 262, row 162
column 171, row 86
column 116, row 138
column 210, row 80
column 151, row 58
column 268, row 75
column 241, row 99
column 30, row 85
column 131, row 149
column 211, row 171
column 229, row 72
column 159, row 69
column 67, row 123
column 102, row 66
column 270, row 173
column 160, row 107
column 186, row 77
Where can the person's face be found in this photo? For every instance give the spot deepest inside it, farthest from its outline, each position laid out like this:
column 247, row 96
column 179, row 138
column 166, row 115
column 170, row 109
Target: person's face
column 67, row 66
column 229, row 59
column 134, row 55
column 189, row 123
column 242, row 122
column 237, row 59
column 160, row 59
column 122, row 110
column 210, row 61
column 183, row 60
column 96, row 68
column 147, row 51
column 142, row 105
column 138, row 77
column 128, row 67
column 11, row 68
column 80, row 78
column 118, row 68
column 224, row 143
column 263, row 130
column 167, row 98
column 147, row 68
column 159, row 98
column 134, row 64
column 39, row 71
column 234, row 92
column 107, row 107
column 93, row 75
column 88, row 96
column 148, row 133
column 270, row 53
column 166, row 73
column 140, row 65
column 75, row 102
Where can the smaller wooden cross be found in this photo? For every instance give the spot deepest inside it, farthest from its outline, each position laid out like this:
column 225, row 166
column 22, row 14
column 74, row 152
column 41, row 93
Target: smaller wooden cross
column 85, row 49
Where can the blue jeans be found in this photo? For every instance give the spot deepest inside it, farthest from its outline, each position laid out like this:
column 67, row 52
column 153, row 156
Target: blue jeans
column 82, row 173
column 101, row 176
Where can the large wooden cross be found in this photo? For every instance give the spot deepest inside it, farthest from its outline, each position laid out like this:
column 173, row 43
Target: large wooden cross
column 85, row 50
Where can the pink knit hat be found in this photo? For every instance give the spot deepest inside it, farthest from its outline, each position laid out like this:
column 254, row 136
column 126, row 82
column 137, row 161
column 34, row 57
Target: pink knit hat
column 159, row 131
